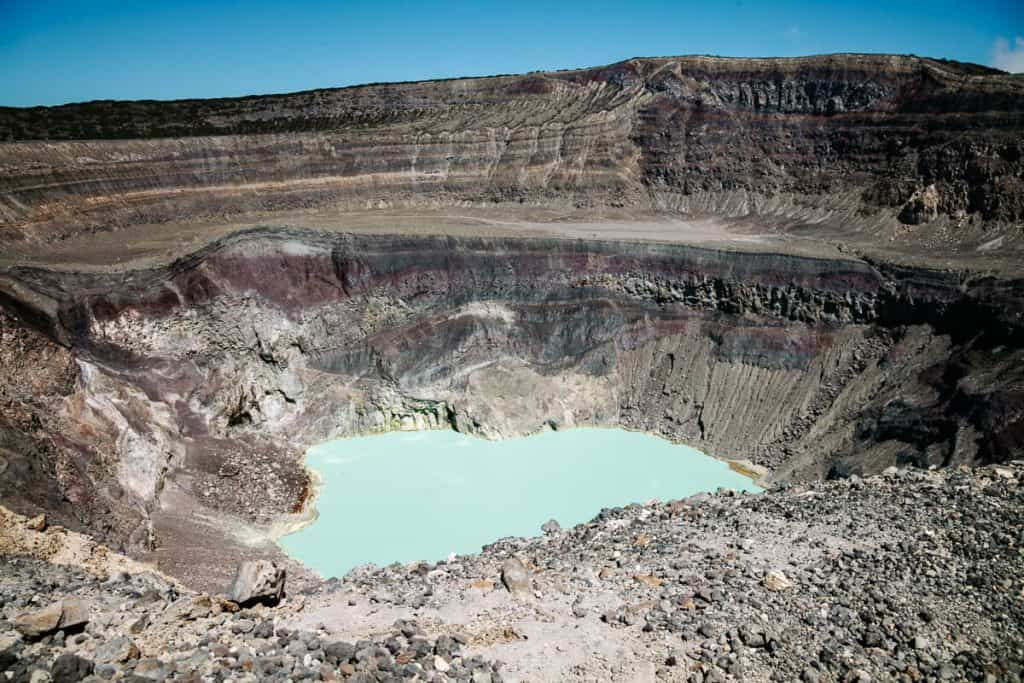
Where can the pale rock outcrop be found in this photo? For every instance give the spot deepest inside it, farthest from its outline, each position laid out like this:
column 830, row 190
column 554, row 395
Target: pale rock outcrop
column 257, row 581
column 516, row 577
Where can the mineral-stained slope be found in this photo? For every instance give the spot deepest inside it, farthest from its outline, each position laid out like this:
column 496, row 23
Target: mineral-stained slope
column 809, row 265
column 185, row 382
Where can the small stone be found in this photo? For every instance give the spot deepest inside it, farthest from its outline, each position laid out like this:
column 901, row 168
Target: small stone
column 188, row 609
column 139, row 625
column 116, row 651
column 752, row 637
column 775, row 580
column 339, row 652
column 648, row 580
column 441, row 665
column 921, row 643
column 243, row 626
column 37, row 523
column 265, row 629
column 858, row 676
column 150, row 668
column 551, row 527
column 707, row 630
column 515, row 577
column 872, row 638
column 257, row 581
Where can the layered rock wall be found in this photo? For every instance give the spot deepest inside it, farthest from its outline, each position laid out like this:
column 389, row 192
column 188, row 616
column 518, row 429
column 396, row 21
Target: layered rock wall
column 227, row 363
column 860, row 138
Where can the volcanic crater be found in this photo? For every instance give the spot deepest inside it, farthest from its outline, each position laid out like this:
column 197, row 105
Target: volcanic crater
column 810, row 267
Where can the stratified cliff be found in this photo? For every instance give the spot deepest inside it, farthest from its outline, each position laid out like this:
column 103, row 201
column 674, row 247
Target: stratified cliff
column 872, row 140
column 195, row 385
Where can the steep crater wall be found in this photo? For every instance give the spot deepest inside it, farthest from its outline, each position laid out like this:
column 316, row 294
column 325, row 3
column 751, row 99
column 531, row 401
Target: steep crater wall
column 133, row 399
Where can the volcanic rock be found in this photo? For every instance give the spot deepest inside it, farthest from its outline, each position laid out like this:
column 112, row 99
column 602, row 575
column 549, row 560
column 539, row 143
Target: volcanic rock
column 516, row 578
column 776, row 580
column 116, row 650
column 551, row 527
column 257, row 581
column 70, row 668
column 66, row 615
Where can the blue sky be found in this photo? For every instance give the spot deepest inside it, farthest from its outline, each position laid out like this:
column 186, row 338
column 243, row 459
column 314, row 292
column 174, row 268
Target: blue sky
column 63, row 51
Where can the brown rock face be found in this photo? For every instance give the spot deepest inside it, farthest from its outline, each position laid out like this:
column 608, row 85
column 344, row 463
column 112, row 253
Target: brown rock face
column 67, row 614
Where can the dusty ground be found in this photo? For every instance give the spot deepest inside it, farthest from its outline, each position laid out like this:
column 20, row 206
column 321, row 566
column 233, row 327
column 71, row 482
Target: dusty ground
column 147, row 244
column 144, row 245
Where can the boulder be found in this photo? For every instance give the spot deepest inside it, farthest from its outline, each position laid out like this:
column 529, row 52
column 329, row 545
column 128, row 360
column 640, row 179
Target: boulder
column 116, row 651
column 75, row 613
column 551, row 527
column 189, row 608
column 339, row 652
column 515, row 577
column 751, row 636
column 67, row 614
column 257, row 581
column 39, row 623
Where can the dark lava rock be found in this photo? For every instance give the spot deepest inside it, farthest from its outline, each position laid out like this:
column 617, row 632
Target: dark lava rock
column 69, row 668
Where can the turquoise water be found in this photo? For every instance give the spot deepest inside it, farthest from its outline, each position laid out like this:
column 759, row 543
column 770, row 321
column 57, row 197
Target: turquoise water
column 407, row 496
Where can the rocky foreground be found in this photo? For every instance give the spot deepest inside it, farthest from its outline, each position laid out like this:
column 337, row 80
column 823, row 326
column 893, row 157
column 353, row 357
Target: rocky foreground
column 910, row 575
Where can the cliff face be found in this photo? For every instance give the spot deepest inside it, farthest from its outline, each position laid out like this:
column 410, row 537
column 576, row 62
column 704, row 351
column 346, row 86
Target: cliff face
column 224, row 364
column 859, row 139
